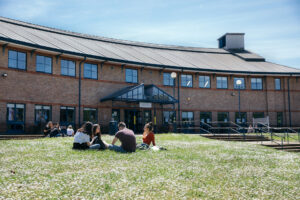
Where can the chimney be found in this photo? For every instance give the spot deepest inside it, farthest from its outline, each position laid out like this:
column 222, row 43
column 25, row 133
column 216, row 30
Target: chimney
column 232, row 41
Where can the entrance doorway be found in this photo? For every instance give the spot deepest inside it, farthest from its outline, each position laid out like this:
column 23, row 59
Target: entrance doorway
column 136, row 119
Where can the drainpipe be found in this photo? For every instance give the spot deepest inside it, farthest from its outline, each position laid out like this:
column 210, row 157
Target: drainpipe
column 79, row 92
column 289, row 102
column 178, row 85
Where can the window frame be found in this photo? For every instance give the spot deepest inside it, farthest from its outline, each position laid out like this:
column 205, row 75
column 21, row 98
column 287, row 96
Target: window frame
column 17, row 59
column 84, row 71
column 66, row 123
column 262, row 85
column 36, row 57
column 170, row 79
column 275, row 85
column 10, row 122
column 93, row 109
column 137, row 75
column 68, row 68
column 169, row 116
column 222, row 82
column 209, row 81
column 50, row 112
column 181, row 82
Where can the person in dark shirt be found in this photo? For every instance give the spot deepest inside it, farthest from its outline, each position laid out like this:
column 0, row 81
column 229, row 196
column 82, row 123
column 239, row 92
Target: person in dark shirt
column 48, row 128
column 127, row 139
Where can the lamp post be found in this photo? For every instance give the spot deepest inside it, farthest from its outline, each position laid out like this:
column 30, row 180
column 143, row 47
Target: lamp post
column 173, row 76
column 239, row 83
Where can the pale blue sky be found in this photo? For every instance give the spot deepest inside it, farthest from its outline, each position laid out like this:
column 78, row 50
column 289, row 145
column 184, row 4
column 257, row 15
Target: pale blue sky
column 272, row 27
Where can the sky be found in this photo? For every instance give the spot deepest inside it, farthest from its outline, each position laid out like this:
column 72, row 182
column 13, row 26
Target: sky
column 271, row 27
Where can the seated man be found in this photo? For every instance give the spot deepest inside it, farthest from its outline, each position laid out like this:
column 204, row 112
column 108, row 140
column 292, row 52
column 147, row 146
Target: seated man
column 127, row 139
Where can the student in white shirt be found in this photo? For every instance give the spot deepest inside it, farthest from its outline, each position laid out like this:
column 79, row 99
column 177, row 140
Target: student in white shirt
column 70, row 131
column 82, row 138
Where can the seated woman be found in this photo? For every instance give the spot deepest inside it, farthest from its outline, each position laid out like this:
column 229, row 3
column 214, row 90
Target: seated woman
column 97, row 136
column 82, row 138
column 70, row 131
column 148, row 137
column 48, row 128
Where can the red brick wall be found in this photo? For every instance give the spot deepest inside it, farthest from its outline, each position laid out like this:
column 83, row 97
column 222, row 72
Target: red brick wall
column 31, row 87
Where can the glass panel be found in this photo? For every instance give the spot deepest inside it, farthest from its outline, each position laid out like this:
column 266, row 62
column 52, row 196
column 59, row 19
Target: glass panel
column 10, row 112
column 39, row 59
column 241, row 86
column 63, row 114
column 115, row 115
column 21, row 56
column 12, row 55
column 70, row 115
column 12, row 63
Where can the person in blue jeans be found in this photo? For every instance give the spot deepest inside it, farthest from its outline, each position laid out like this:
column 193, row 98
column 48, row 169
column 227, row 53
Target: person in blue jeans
column 127, row 139
column 82, row 138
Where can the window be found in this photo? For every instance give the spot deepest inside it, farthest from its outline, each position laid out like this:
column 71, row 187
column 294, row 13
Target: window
column 222, row 82
column 188, row 118
column 115, row 115
column 205, row 117
column 169, row 117
column 67, row 67
column 42, row 113
column 16, row 59
column 90, row 114
column 43, row 64
column 256, row 83
column 90, row 71
column 168, row 80
column 186, row 80
column 277, row 84
column 67, row 115
column 241, row 86
column 279, row 119
column 242, row 119
column 15, row 117
column 258, row 115
column 223, row 117
column 204, row 82
column 131, row 75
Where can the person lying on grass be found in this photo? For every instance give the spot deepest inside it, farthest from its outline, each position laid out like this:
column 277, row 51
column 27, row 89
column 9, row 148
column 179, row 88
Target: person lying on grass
column 127, row 139
column 97, row 135
column 82, row 138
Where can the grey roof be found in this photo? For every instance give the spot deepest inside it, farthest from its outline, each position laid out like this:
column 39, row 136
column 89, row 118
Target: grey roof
column 136, row 53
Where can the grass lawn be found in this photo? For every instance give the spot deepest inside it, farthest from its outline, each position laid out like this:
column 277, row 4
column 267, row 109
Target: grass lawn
column 192, row 168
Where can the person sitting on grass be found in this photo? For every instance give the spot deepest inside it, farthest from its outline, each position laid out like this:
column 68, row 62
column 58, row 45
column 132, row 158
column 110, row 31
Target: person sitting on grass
column 127, row 139
column 55, row 131
column 48, row 128
column 97, row 136
column 82, row 138
column 148, row 137
column 70, row 131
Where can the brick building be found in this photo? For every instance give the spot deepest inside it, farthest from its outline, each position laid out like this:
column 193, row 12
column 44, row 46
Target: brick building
column 50, row 74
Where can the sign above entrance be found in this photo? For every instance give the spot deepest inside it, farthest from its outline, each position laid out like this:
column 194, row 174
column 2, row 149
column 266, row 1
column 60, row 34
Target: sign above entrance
column 145, row 105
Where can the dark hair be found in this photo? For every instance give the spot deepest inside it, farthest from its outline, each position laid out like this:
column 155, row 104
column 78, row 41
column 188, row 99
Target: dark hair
column 121, row 124
column 95, row 126
column 149, row 126
column 87, row 128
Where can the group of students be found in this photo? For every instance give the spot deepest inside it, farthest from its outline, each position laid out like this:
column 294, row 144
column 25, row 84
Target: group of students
column 54, row 130
column 89, row 137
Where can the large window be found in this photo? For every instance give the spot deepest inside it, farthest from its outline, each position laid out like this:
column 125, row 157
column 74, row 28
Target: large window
column 115, row 115
column 205, row 117
column 277, row 84
column 67, row 67
column 256, row 84
column 222, row 82
column 43, row 64
column 168, row 80
column 187, row 118
column 169, row 117
column 42, row 113
column 90, row 71
column 131, row 75
column 241, row 119
column 258, row 115
column 90, row 114
column 241, row 86
column 67, row 115
column 16, row 59
column 186, row 80
column 15, row 117
column 204, row 81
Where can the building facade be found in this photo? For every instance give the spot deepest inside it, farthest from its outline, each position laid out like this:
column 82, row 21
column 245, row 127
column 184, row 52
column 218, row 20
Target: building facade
column 49, row 74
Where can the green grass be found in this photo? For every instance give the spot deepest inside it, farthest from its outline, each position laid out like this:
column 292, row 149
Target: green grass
column 192, row 168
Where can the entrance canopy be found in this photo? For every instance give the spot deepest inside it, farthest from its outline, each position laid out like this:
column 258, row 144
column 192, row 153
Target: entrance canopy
column 141, row 93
